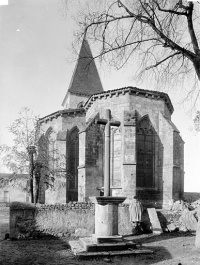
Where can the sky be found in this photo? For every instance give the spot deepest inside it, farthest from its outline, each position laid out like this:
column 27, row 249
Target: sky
column 37, row 62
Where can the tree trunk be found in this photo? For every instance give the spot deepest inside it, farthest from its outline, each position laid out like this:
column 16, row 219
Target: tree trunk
column 31, row 179
column 196, row 64
column 37, row 185
column 31, row 173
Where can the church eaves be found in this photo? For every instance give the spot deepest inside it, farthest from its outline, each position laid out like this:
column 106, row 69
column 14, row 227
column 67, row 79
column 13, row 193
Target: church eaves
column 85, row 79
column 134, row 91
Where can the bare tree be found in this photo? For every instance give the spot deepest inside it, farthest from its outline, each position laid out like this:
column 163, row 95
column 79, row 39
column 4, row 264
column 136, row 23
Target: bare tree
column 28, row 159
column 23, row 129
column 162, row 35
column 16, row 157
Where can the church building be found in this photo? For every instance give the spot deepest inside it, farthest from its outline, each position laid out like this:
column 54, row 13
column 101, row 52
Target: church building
column 146, row 149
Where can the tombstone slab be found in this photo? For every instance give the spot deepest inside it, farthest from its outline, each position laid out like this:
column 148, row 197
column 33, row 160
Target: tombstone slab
column 156, row 227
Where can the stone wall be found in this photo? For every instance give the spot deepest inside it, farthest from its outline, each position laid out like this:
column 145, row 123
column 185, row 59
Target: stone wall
column 73, row 100
column 74, row 219
column 54, row 132
column 29, row 220
column 168, row 171
column 191, row 196
column 4, row 220
column 116, row 156
column 33, row 221
column 159, row 113
column 13, row 194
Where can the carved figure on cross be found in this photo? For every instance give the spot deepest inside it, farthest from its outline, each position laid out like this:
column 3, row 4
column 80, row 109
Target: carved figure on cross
column 108, row 123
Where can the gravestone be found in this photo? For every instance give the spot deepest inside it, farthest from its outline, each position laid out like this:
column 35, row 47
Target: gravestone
column 156, row 227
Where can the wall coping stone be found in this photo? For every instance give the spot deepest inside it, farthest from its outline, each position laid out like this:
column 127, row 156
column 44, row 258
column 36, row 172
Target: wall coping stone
column 22, row 205
column 39, row 207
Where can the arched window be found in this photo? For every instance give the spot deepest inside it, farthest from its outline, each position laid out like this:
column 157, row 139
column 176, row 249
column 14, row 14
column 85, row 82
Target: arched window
column 73, row 162
column 145, row 153
column 43, row 150
column 51, row 152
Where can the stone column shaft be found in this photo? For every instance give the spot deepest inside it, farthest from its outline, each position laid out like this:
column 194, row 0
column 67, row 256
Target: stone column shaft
column 107, row 160
column 129, row 154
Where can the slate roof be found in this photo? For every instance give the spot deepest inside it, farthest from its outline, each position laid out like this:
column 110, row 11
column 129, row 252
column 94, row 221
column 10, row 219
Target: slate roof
column 85, row 79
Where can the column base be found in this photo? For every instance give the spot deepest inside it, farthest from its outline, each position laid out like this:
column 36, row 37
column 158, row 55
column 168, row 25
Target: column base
column 106, row 215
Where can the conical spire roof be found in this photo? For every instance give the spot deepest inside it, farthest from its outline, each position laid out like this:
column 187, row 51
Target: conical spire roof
column 85, row 79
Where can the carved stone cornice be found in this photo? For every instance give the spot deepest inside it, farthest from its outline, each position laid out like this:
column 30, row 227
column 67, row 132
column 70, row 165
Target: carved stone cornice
column 155, row 95
column 61, row 113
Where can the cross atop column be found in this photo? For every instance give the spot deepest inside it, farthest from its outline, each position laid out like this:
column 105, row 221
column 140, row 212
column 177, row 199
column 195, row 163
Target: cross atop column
column 108, row 123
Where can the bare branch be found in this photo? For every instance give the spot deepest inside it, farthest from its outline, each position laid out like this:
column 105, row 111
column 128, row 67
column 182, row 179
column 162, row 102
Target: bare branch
column 141, row 18
column 157, row 31
column 169, row 43
column 123, row 46
column 172, row 11
column 191, row 29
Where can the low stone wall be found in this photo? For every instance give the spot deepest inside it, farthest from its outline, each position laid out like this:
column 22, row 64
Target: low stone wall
column 72, row 219
column 4, row 220
column 28, row 220
column 191, row 196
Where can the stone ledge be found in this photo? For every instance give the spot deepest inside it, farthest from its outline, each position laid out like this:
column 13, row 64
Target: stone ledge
column 22, row 205
column 79, row 251
column 106, row 239
column 107, row 200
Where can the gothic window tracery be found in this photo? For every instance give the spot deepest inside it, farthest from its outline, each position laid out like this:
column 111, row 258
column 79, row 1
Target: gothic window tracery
column 73, row 162
column 145, row 153
column 51, row 149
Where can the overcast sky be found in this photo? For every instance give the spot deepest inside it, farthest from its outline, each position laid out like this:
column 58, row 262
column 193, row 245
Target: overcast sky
column 36, row 65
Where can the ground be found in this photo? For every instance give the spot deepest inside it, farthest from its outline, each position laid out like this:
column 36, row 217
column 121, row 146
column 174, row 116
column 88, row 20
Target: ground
column 170, row 249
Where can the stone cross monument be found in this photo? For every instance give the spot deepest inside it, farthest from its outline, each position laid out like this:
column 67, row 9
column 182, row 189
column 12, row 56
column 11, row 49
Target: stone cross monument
column 106, row 207
column 108, row 123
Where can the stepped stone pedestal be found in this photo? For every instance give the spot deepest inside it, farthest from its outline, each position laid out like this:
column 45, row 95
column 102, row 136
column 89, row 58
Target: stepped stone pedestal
column 106, row 215
column 106, row 241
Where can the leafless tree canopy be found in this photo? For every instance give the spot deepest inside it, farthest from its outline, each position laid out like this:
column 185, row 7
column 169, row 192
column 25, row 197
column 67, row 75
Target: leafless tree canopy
column 17, row 160
column 23, row 129
column 163, row 35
